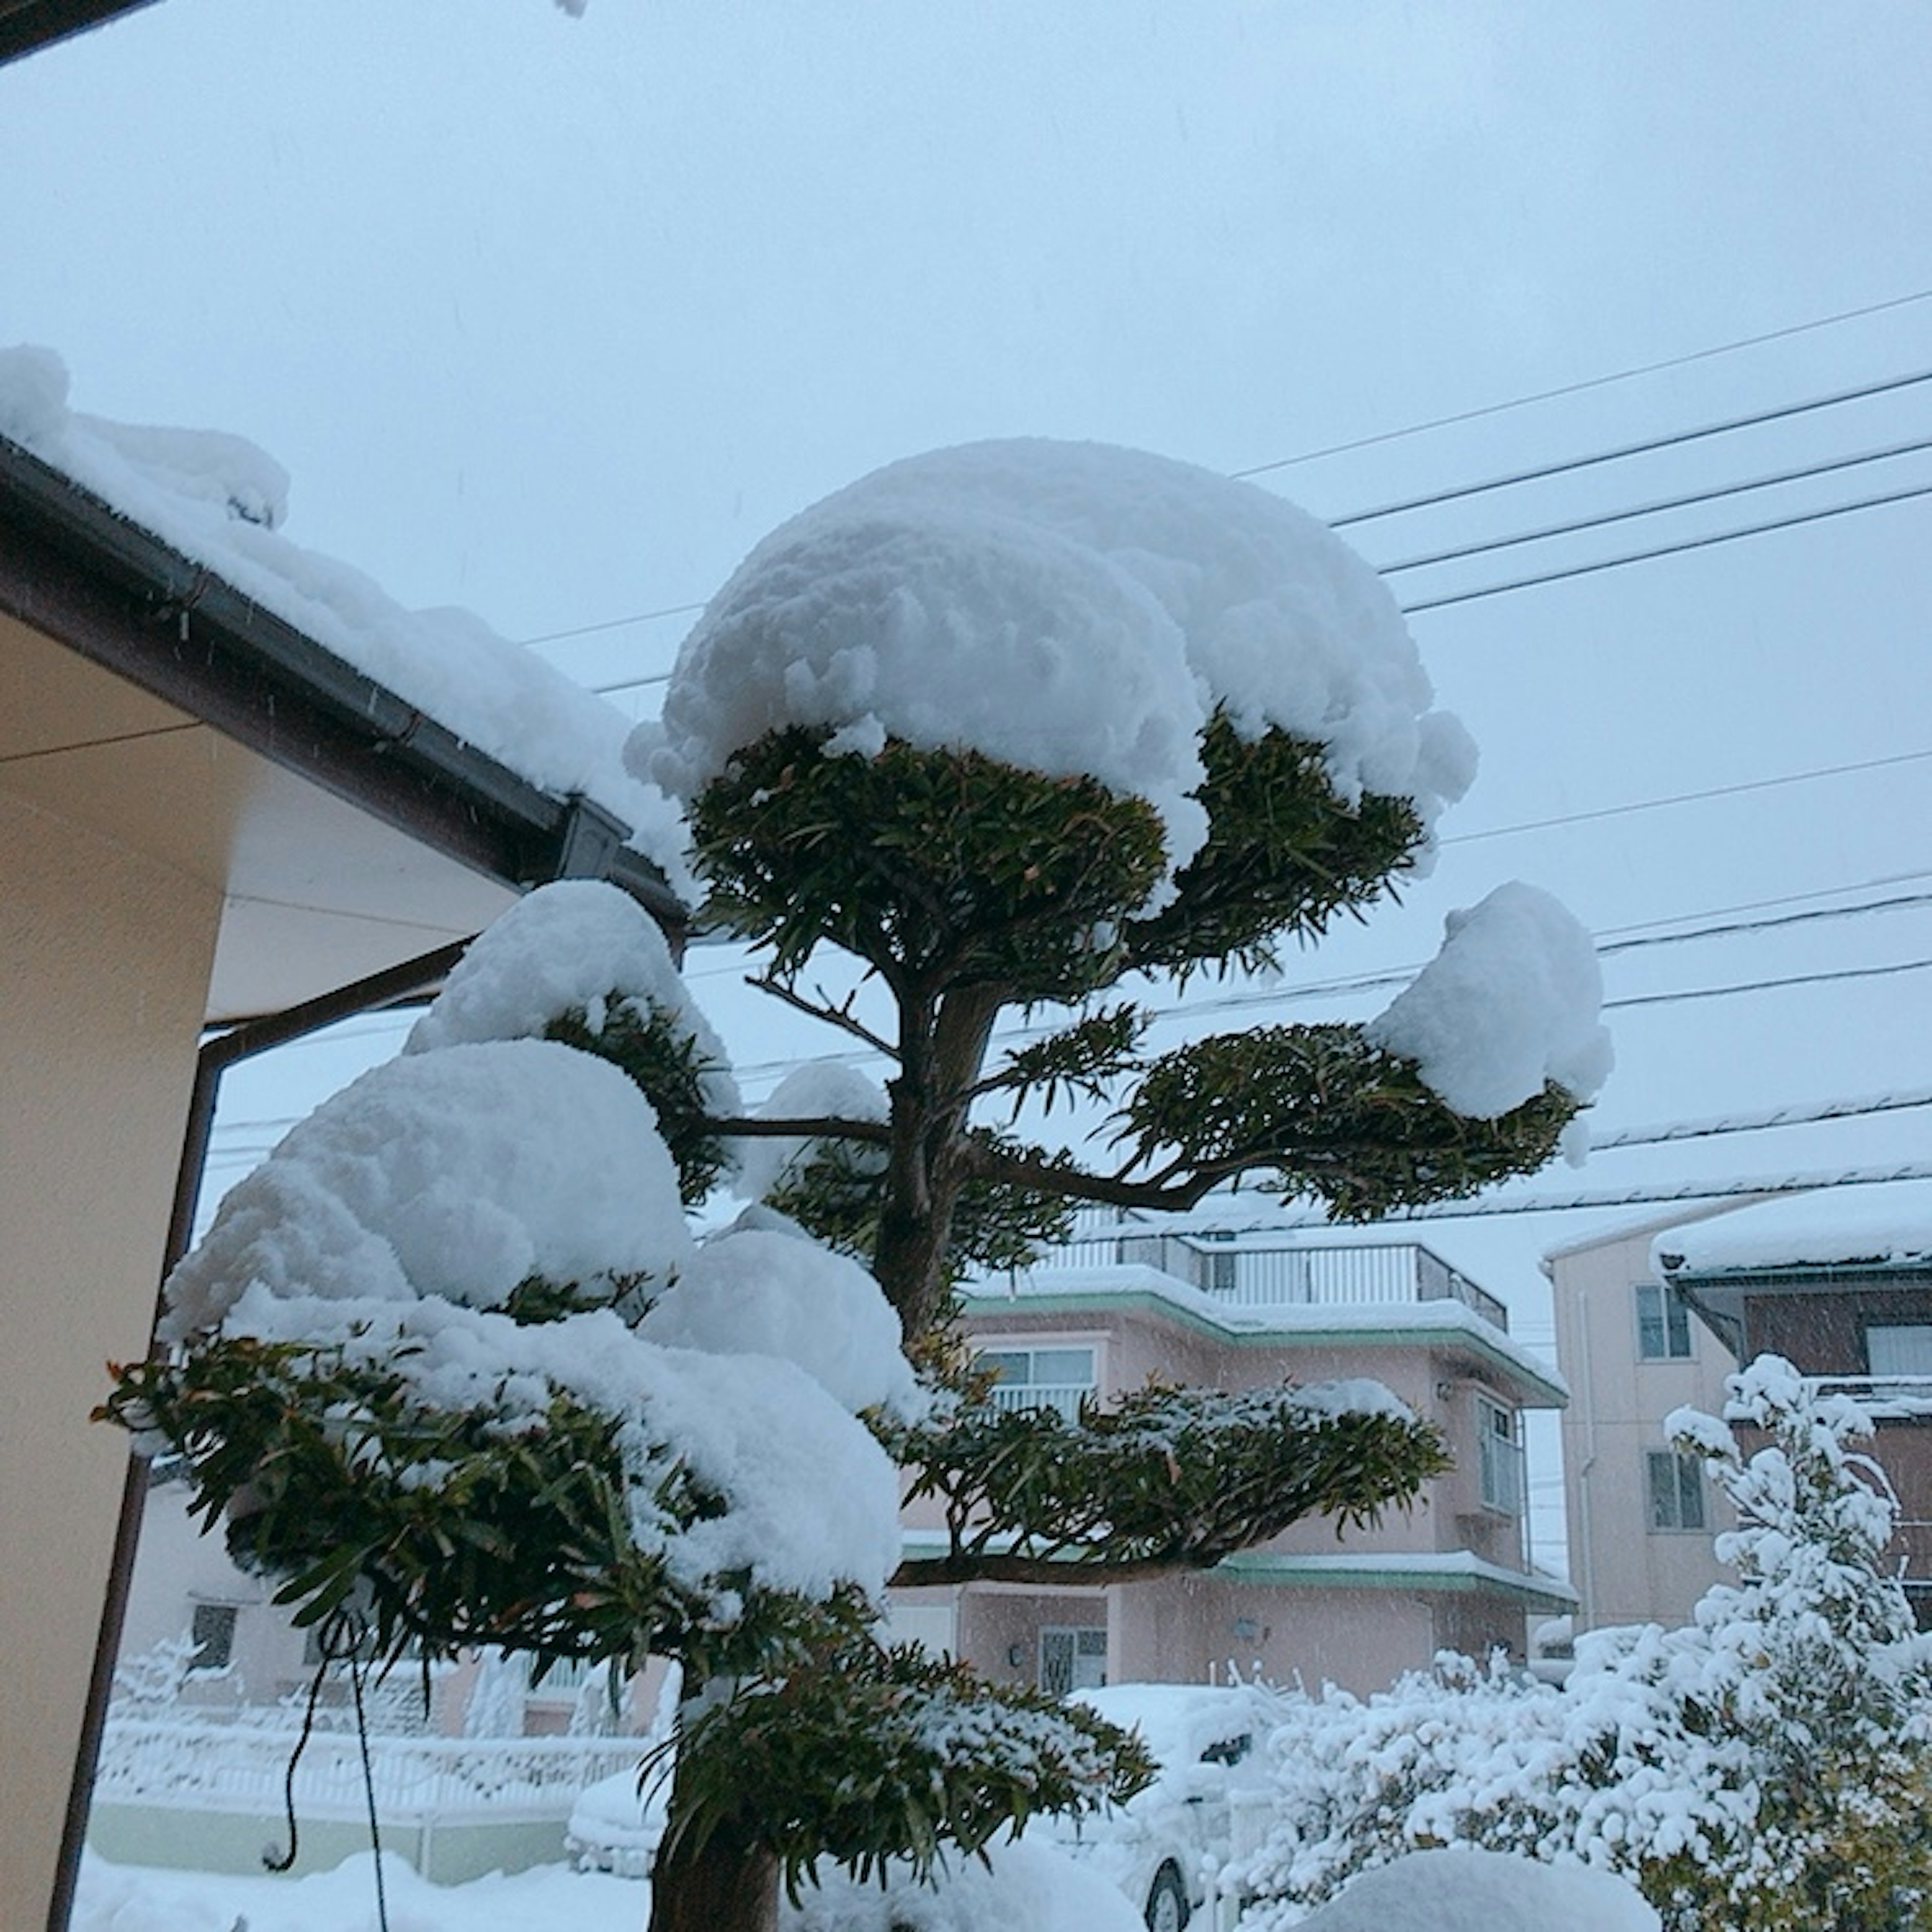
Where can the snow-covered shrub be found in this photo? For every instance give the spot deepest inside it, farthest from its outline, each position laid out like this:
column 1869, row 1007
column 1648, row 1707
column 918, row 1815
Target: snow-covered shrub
column 1765, row 1767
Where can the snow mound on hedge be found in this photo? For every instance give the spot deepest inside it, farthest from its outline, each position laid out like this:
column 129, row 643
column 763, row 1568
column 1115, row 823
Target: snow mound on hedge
column 754, row 1290
column 1464, row 1890
column 569, row 947
column 458, row 1175
column 1511, row 1000
column 1070, row 608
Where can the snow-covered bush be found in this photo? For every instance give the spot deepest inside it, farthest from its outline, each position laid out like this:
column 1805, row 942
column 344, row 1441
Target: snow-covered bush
column 1768, row 1766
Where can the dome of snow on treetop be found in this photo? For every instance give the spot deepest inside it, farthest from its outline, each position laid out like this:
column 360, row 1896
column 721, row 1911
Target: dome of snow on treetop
column 1068, row 608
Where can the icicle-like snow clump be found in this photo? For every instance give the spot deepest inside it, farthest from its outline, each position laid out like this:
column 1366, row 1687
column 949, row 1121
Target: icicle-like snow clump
column 1068, row 608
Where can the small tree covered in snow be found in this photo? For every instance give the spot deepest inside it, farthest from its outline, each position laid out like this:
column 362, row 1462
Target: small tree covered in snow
column 1008, row 728
column 1768, row 1769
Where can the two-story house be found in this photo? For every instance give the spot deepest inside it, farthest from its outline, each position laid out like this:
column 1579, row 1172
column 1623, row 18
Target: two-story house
column 1839, row 1282
column 1201, row 1305
column 1641, row 1516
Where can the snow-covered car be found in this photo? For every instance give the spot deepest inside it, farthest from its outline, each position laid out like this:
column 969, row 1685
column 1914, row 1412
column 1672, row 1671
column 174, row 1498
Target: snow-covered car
column 1161, row 1846
column 615, row 1827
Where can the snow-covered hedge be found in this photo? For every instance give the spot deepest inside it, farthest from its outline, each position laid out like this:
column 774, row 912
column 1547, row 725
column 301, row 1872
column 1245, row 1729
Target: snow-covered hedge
column 1766, row 1766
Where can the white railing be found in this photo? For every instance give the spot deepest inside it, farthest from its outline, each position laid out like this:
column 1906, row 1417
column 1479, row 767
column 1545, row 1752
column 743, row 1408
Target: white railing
column 1253, row 1271
column 1065, row 1397
column 237, row 1767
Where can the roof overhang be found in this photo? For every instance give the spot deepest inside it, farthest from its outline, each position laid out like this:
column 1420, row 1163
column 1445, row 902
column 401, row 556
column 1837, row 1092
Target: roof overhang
column 347, row 829
column 25, row 25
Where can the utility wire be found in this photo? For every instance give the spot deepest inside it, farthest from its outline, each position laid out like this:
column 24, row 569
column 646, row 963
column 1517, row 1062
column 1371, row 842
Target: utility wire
column 1567, row 466
column 611, row 624
column 1832, row 978
column 1689, row 797
column 1717, row 494
column 1674, row 439
column 1588, row 383
column 1764, row 1121
column 1666, row 549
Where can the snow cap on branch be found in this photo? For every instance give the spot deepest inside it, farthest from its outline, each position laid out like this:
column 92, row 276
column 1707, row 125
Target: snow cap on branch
column 1510, row 1001
column 820, row 1090
column 1070, row 608
column 760, row 1291
column 570, row 946
column 457, row 1174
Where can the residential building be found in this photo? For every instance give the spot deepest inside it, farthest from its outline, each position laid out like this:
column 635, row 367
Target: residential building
column 1641, row 1518
column 1210, row 1306
column 1838, row 1281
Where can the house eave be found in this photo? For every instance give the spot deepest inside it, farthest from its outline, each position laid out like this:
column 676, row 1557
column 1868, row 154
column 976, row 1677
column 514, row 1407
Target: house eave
column 73, row 568
column 28, row 25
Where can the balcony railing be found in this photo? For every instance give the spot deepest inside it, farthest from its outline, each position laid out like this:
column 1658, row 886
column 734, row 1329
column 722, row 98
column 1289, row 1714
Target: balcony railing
column 1254, row 1271
column 1065, row 1397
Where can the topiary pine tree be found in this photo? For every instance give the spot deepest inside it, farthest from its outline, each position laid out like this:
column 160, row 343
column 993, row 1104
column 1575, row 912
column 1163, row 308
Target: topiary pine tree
column 1004, row 727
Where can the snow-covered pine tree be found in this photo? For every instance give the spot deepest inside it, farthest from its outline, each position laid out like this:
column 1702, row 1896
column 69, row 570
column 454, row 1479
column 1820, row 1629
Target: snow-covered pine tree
column 1010, row 727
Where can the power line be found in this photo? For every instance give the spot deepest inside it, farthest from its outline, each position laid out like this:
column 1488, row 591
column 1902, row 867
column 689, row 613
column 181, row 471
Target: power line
column 1842, row 973
column 1588, row 383
column 1567, row 466
column 1764, row 1121
column 1667, row 550
column 1689, row 1190
column 1674, row 439
column 1719, row 492
column 1690, row 797
column 611, row 624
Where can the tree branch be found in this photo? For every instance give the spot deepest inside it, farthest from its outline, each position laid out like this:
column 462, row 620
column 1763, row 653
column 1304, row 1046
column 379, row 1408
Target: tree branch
column 821, row 1127
column 990, row 1163
column 823, row 1009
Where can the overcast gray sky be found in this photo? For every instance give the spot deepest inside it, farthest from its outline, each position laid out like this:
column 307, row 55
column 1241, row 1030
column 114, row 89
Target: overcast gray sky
column 554, row 318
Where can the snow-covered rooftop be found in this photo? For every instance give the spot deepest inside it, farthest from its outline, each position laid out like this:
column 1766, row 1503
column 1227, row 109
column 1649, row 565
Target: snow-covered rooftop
column 220, row 502
column 1880, row 1227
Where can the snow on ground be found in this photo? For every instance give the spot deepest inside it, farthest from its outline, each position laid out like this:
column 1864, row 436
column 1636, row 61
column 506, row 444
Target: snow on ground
column 1067, row 608
column 548, row 1898
column 1468, row 1891
column 218, row 500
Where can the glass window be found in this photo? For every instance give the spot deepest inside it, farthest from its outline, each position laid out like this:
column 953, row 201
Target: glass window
column 1662, row 1323
column 1676, row 1486
column 1899, row 1348
column 212, row 1628
column 1040, row 1378
column 1073, row 1658
column 1502, row 1465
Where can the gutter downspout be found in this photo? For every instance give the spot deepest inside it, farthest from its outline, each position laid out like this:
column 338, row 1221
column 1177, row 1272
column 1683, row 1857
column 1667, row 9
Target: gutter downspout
column 388, row 988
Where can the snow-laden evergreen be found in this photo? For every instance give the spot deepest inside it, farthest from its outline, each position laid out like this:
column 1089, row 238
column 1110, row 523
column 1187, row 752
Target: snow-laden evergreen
column 1767, row 1766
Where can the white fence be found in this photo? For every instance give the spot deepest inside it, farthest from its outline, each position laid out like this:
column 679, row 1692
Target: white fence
column 181, row 1764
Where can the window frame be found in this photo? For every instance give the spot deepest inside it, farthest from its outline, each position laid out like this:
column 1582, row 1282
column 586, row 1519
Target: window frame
column 1671, row 1323
column 1686, row 1468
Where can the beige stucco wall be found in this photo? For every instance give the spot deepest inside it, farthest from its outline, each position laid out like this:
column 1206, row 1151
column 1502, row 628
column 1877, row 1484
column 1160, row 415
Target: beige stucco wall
column 104, row 964
column 1625, row 1571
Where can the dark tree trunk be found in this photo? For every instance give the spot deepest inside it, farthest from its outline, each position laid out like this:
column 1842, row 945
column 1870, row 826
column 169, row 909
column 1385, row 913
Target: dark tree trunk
column 729, row 1886
column 942, row 1050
